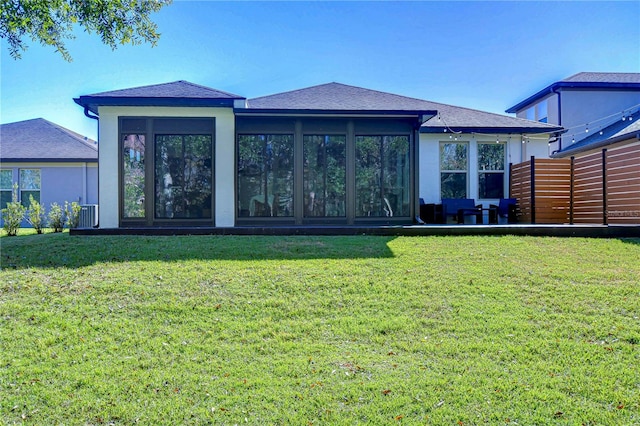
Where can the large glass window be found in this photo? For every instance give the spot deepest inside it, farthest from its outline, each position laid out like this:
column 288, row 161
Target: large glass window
column 133, row 178
column 324, row 176
column 491, row 158
column 183, row 176
column 6, row 187
column 453, row 170
column 382, row 176
column 265, row 175
column 29, row 185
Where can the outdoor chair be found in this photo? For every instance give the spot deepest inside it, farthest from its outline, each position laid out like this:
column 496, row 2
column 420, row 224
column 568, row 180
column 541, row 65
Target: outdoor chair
column 506, row 211
column 459, row 208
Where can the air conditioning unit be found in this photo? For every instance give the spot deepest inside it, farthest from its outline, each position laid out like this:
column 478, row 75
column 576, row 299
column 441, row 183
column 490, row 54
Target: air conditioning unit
column 88, row 216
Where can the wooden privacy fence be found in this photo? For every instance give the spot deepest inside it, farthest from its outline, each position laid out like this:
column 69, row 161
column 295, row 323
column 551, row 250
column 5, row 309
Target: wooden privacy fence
column 542, row 188
column 599, row 188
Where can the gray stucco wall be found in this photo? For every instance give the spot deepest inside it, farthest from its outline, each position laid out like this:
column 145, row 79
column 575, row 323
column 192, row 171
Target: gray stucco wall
column 62, row 182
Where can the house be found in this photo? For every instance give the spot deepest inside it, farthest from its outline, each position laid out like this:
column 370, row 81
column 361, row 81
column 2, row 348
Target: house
column 48, row 162
column 583, row 104
column 180, row 154
column 599, row 151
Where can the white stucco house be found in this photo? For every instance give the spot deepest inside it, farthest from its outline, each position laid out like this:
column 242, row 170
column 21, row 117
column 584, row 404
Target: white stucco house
column 47, row 161
column 183, row 155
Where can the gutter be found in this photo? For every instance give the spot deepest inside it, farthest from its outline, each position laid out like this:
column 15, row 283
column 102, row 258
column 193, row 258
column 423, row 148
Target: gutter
column 89, row 114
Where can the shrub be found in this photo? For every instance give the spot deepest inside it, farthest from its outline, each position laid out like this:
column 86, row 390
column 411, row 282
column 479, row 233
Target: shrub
column 36, row 215
column 73, row 213
column 13, row 214
column 57, row 217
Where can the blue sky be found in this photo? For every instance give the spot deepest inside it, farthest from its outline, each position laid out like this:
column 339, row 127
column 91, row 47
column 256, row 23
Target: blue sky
column 482, row 55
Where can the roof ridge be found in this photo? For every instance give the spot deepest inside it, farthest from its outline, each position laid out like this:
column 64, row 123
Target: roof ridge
column 137, row 87
column 76, row 136
column 340, row 84
column 200, row 86
column 290, row 91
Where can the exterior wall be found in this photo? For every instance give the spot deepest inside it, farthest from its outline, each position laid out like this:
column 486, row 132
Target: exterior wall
column 429, row 161
column 224, row 154
column 60, row 182
column 581, row 107
column 534, row 111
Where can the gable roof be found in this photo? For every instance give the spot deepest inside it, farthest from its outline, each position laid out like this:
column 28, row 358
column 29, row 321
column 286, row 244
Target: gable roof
column 585, row 80
column 177, row 93
column 341, row 98
column 41, row 140
column 619, row 131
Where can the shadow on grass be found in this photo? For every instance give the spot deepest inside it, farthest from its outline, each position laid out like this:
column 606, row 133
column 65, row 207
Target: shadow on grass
column 635, row 241
column 63, row 251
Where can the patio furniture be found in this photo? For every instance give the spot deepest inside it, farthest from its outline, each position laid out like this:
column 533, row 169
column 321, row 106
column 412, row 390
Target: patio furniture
column 505, row 211
column 459, row 208
column 430, row 212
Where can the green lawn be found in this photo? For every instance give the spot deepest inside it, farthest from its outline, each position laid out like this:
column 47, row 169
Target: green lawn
column 319, row 330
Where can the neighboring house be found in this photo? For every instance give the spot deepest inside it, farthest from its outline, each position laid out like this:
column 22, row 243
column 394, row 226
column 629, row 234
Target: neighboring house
column 180, row 154
column 48, row 162
column 619, row 134
column 583, row 104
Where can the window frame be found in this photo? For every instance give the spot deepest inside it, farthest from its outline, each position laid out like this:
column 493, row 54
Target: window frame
column 492, row 171
column 325, row 135
column 408, row 185
column 466, row 144
column 25, row 200
column 266, row 136
column 150, row 127
column 6, row 190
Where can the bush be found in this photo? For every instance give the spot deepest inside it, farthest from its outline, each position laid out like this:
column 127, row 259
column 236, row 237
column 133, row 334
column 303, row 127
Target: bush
column 57, row 217
column 13, row 214
column 36, row 215
column 73, row 213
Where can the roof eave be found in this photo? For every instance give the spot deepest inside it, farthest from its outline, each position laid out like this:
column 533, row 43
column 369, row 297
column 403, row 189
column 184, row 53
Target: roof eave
column 50, row 160
column 490, row 130
column 423, row 114
column 93, row 102
column 600, row 144
column 573, row 85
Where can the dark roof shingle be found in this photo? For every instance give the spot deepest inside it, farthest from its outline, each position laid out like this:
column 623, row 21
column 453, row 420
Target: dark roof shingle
column 342, row 97
column 41, row 140
column 337, row 97
column 604, row 77
column 176, row 89
column 584, row 80
column 177, row 93
column 618, row 131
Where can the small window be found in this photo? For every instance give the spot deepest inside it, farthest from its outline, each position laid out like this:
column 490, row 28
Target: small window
column 29, row 185
column 542, row 112
column 491, row 158
column 453, row 170
column 6, row 187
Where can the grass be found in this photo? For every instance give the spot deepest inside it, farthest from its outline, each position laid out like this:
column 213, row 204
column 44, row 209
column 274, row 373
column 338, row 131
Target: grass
column 319, row 330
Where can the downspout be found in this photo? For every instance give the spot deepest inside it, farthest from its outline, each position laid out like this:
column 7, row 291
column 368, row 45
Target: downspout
column 557, row 92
